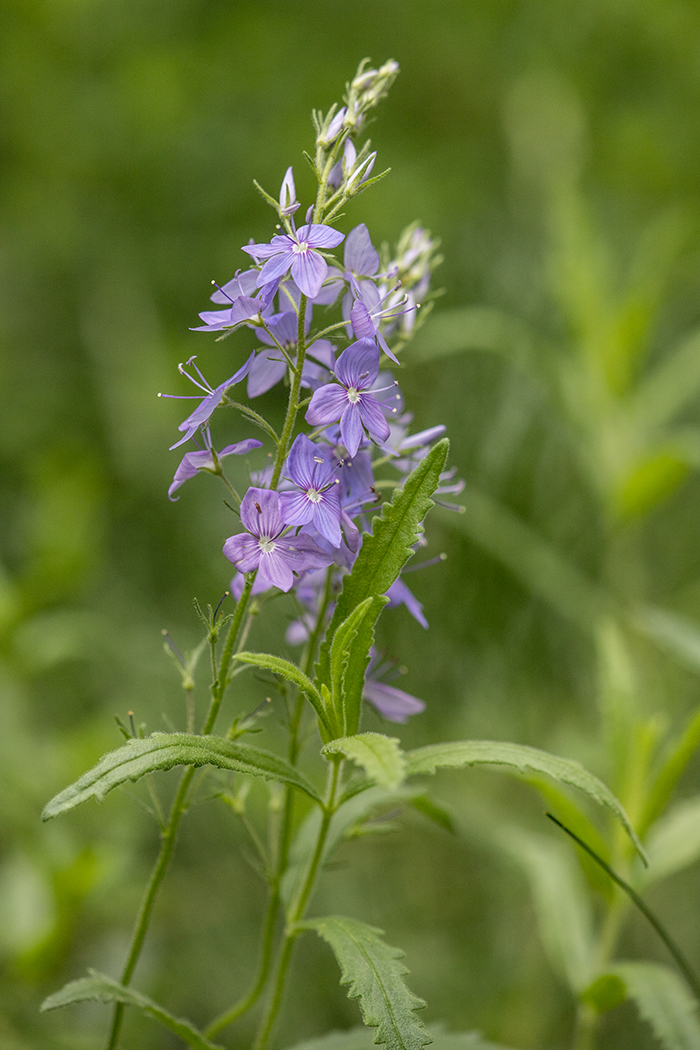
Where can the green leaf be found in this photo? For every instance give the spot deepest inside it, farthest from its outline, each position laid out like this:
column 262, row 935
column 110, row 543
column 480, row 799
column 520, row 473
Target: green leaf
column 340, row 655
column 372, row 969
column 674, row 841
column 165, row 750
column 380, row 756
column 99, row 988
column 539, row 566
column 291, row 673
column 561, row 902
column 361, row 1039
column 605, row 993
column 383, row 554
column 664, row 1001
column 524, row 759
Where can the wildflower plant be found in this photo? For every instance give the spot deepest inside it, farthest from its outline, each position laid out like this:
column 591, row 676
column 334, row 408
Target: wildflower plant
column 312, row 524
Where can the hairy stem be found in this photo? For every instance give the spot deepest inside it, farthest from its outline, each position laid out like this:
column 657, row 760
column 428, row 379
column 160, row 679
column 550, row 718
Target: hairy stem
column 169, row 834
column 296, row 913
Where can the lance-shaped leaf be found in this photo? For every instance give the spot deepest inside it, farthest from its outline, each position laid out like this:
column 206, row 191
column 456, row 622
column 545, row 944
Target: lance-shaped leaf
column 165, row 750
column 383, row 554
column 375, row 974
column 523, row 759
column 380, row 756
column 99, row 988
column 660, row 996
column 674, row 841
column 340, row 657
column 291, row 673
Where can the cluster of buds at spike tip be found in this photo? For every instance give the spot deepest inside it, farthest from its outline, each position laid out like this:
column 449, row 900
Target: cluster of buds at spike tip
column 415, row 259
column 367, row 89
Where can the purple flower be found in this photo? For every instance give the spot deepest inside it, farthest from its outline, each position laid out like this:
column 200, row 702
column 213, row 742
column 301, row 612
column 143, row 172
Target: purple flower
column 300, row 251
column 288, row 194
column 393, row 704
column 349, row 400
column 265, row 547
column 205, row 409
column 400, row 594
column 242, row 305
column 192, row 462
column 313, row 470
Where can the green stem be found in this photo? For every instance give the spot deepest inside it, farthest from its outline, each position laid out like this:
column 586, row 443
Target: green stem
column 169, row 835
column 296, row 913
column 254, row 994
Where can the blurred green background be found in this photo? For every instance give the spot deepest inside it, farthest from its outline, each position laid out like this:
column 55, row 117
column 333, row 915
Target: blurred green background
column 554, row 148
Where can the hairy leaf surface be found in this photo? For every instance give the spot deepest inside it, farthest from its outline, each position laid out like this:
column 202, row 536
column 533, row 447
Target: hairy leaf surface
column 524, row 759
column 165, row 750
column 291, row 673
column 375, row 974
column 102, row 989
column 361, row 1039
column 663, row 1001
column 380, row 756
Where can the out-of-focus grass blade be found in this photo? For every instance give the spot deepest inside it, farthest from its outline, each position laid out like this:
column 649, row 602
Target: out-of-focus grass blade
column 674, row 841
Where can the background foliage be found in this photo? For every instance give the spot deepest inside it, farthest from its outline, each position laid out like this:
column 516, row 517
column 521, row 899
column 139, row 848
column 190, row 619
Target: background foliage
column 554, row 147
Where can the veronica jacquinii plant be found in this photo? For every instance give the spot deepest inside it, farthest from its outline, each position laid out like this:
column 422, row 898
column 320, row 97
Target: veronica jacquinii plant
column 312, row 523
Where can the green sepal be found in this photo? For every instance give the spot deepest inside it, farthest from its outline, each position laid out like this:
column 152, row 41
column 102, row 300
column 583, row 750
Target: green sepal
column 102, row 989
column 375, row 974
column 380, row 756
column 523, row 759
column 161, row 751
column 383, row 554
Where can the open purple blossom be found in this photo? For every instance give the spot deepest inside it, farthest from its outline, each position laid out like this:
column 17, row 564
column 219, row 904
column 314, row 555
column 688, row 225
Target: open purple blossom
column 300, row 252
column 392, row 703
column 199, row 419
column 193, row 462
column 349, row 401
column 311, row 468
column 265, row 547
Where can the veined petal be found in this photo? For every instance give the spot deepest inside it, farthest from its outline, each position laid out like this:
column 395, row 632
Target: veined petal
column 275, row 267
column 318, row 235
column 260, row 512
column 373, row 418
column 326, row 515
column 296, row 508
column 358, row 365
column 244, row 551
column 351, row 428
column 274, row 569
column 268, row 369
column 327, row 405
column 360, row 255
column 309, row 270
column 280, row 243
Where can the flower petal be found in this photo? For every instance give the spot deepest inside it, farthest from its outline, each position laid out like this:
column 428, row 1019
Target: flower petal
column 309, row 271
column 327, row 405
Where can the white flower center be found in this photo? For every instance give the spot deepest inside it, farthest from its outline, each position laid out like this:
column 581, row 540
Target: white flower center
column 301, row 247
column 266, row 544
column 314, row 495
column 353, row 395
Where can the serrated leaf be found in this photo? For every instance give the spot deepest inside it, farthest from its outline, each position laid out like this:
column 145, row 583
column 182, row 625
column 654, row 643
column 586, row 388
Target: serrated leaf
column 383, row 554
column 380, row 756
column 561, row 902
column 361, row 1039
column 674, row 841
column 102, row 989
column 375, row 974
column 163, row 751
column 663, row 1001
column 524, row 759
column 291, row 673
